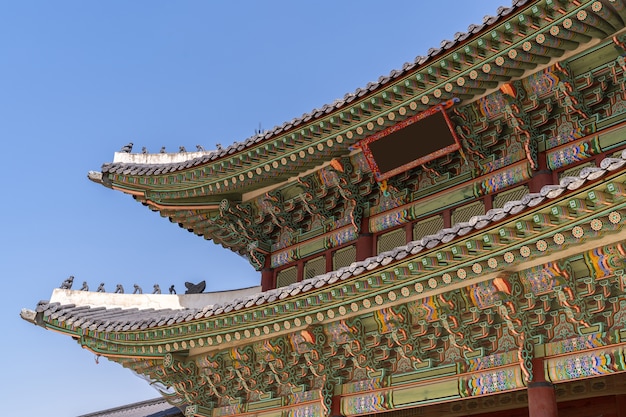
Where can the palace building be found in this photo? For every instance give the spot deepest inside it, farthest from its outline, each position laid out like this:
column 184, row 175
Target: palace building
column 447, row 241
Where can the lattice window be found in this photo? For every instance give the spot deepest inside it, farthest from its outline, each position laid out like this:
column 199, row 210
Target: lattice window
column 315, row 267
column 391, row 240
column 286, row 277
column 464, row 213
column 573, row 172
column 344, row 257
column 515, row 194
column 427, row 227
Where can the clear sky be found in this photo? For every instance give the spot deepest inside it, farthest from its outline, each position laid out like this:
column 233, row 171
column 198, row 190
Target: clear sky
column 80, row 79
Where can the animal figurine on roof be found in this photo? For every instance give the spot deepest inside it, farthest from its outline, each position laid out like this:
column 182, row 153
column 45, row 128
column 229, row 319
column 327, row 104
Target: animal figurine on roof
column 162, row 149
column 172, row 289
column 67, row 284
column 144, row 150
column 156, row 289
column 137, row 289
column 182, row 149
column 119, row 289
column 100, row 287
column 85, row 287
column 195, row 288
column 200, row 148
column 127, row 148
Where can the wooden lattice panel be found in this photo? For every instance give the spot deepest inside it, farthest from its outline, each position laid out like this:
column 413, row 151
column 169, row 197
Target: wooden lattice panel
column 427, row 227
column 391, row 240
column 464, row 213
column 344, row 257
column 286, row 277
column 511, row 195
column 315, row 267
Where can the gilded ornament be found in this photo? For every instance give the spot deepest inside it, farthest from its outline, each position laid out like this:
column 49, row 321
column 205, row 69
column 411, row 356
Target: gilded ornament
column 509, row 257
column 596, row 224
column 578, row 232
column 615, row 217
column 524, row 251
column 558, row 238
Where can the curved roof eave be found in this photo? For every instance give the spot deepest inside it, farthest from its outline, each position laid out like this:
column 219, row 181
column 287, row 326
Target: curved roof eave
column 154, row 164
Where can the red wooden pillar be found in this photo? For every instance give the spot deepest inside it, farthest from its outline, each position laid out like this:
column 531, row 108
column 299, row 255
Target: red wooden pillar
column 267, row 279
column 335, row 409
column 408, row 231
column 364, row 246
column 541, row 395
column 542, row 176
column 267, row 275
column 365, row 241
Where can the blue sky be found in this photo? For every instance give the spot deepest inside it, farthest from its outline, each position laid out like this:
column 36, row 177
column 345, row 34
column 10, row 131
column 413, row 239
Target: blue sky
column 80, row 79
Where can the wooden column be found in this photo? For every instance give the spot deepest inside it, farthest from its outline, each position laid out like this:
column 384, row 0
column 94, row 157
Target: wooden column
column 335, row 410
column 542, row 176
column 541, row 395
column 364, row 246
column 408, row 231
column 267, row 279
column 365, row 241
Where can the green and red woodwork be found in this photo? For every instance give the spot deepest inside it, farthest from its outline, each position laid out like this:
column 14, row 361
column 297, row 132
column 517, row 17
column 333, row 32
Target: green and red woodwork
column 447, row 241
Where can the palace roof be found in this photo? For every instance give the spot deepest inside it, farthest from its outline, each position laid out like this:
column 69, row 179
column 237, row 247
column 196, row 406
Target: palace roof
column 537, row 97
column 209, row 192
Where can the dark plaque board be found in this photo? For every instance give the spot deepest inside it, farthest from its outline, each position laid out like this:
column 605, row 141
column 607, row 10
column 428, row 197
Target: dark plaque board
column 412, row 142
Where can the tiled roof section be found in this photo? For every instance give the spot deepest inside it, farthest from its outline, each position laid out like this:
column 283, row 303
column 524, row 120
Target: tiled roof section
column 433, row 53
column 102, row 319
column 150, row 408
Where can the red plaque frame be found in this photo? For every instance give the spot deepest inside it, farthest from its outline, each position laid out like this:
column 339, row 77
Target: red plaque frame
column 365, row 143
